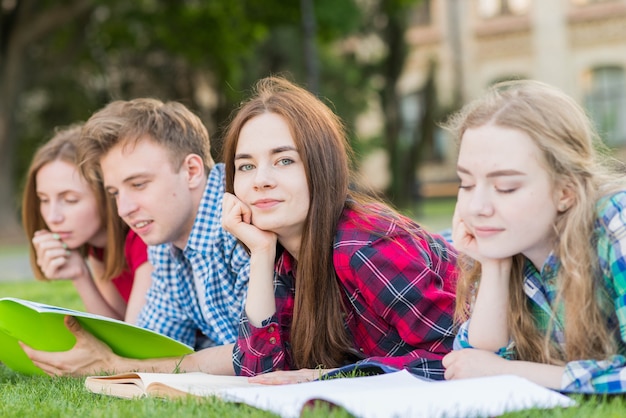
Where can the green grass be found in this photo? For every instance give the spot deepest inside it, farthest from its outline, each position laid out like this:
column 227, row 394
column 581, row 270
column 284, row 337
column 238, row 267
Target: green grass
column 433, row 214
column 25, row 396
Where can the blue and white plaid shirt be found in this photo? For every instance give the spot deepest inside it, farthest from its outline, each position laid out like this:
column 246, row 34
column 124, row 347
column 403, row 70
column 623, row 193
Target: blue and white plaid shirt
column 583, row 376
column 203, row 287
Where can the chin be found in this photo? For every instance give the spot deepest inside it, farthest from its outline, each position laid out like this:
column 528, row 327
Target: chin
column 497, row 252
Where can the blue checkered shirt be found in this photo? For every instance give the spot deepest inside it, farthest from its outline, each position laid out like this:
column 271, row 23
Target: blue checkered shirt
column 583, row 376
column 203, row 287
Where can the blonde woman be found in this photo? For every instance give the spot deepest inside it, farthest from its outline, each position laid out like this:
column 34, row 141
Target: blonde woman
column 75, row 233
column 541, row 224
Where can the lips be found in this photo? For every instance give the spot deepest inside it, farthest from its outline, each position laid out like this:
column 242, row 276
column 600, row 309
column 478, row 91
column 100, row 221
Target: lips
column 265, row 203
column 141, row 224
column 140, row 227
column 486, row 231
column 63, row 235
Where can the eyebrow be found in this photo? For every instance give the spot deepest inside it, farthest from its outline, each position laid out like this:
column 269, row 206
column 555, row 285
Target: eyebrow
column 276, row 150
column 497, row 173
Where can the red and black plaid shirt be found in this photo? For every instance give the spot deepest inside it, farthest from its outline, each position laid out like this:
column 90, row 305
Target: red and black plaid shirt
column 398, row 288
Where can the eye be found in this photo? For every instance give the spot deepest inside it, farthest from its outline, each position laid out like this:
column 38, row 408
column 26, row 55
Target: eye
column 285, row 161
column 245, row 167
column 112, row 192
column 139, row 185
column 466, row 186
column 506, row 191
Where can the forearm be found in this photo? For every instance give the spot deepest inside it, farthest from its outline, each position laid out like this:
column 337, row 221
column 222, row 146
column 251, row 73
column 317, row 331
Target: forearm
column 260, row 301
column 546, row 375
column 488, row 327
column 212, row 360
column 93, row 299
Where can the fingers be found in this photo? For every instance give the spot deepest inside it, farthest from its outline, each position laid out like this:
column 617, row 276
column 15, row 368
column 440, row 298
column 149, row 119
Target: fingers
column 88, row 355
column 286, row 377
column 448, row 363
column 45, row 360
column 234, row 211
column 51, row 252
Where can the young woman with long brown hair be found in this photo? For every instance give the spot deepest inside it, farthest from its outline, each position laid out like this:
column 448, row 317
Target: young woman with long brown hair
column 335, row 277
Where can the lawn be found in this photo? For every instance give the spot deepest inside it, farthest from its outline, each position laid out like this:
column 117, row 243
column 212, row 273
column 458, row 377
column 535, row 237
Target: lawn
column 23, row 396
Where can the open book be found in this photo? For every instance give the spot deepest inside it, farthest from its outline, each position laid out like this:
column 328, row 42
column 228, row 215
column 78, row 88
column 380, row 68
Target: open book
column 41, row 327
column 164, row 385
column 398, row 394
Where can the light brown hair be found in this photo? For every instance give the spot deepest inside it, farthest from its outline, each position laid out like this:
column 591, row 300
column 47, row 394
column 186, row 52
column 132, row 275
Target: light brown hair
column 570, row 148
column 64, row 147
column 170, row 124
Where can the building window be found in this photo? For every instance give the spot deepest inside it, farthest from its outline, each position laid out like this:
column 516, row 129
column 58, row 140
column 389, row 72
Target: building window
column 494, row 8
column 606, row 103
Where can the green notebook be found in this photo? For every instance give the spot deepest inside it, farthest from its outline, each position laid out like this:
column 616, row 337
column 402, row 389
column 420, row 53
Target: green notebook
column 41, row 327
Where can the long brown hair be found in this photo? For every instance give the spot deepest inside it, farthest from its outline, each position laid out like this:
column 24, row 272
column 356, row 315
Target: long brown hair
column 317, row 331
column 569, row 145
column 64, row 146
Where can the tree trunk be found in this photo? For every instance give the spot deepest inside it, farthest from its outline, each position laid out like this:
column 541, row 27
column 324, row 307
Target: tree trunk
column 25, row 24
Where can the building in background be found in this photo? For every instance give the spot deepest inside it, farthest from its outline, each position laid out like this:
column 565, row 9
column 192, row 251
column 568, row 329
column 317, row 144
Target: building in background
column 576, row 45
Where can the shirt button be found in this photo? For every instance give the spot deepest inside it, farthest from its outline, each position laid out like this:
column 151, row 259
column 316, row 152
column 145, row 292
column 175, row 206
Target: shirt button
column 361, row 349
column 270, row 329
column 272, row 340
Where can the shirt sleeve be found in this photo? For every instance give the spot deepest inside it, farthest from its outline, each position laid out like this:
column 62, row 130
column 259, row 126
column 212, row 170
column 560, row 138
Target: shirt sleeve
column 266, row 348
column 606, row 376
column 461, row 341
column 259, row 350
column 408, row 287
column 162, row 312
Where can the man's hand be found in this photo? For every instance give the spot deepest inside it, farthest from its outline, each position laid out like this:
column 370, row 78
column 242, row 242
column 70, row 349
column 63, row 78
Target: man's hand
column 89, row 355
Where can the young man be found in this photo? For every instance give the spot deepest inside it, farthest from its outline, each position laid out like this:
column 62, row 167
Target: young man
column 154, row 158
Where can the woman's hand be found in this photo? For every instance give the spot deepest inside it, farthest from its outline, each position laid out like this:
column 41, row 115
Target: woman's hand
column 465, row 242
column 284, row 377
column 471, row 362
column 237, row 219
column 55, row 260
column 462, row 237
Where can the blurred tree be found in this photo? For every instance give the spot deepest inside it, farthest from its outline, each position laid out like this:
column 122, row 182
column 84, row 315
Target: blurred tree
column 60, row 60
column 22, row 24
column 389, row 20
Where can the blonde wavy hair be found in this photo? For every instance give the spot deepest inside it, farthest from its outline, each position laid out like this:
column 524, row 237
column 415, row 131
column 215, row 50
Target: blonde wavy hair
column 575, row 158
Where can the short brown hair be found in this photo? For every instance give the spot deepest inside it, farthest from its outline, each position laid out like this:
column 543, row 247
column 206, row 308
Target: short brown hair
column 169, row 124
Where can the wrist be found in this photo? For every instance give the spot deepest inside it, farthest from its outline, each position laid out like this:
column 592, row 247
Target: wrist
column 498, row 269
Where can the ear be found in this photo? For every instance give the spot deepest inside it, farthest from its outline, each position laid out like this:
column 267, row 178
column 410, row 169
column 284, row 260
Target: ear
column 565, row 197
column 194, row 168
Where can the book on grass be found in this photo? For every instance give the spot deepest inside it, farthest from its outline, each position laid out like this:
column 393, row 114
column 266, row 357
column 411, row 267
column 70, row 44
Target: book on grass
column 164, row 385
column 41, row 327
column 402, row 395
column 398, row 394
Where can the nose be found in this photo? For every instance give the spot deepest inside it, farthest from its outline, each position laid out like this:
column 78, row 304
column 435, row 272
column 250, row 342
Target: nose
column 480, row 202
column 264, row 178
column 53, row 214
column 125, row 204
